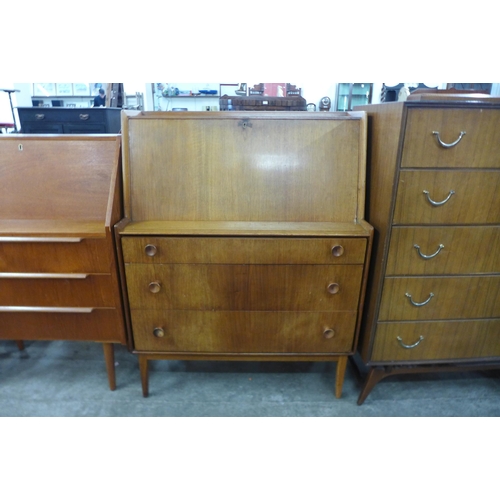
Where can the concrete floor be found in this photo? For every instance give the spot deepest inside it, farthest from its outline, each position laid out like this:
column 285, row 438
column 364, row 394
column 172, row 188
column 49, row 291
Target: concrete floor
column 69, row 379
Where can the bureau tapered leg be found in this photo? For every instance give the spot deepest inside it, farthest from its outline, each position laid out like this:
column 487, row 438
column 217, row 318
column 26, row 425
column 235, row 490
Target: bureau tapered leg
column 20, row 345
column 109, row 358
column 143, row 366
column 375, row 375
column 339, row 377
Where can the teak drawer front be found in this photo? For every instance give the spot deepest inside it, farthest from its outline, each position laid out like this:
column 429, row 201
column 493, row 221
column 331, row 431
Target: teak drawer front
column 243, row 332
column 472, row 197
column 440, row 298
column 228, row 250
column 99, row 325
column 61, row 291
column 444, row 250
column 55, row 256
column 240, row 287
column 479, row 147
column 438, row 340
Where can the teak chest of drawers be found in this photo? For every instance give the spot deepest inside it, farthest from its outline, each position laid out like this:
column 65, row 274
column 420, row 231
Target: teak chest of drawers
column 59, row 199
column 434, row 183
column 244, row 236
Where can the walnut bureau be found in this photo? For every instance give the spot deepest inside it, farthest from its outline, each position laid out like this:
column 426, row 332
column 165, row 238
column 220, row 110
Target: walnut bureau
column 433, row 190
column 244, row 235
column 59, row 199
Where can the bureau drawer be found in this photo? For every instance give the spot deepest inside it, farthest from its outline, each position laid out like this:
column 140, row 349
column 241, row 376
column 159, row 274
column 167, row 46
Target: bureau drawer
column 240, row 287
column 440, row 298
column 58, row 290
column 55, row 255
column 89, row 324
column 444, row 250
column 438, row 340
column 228, row 250
column 472, row 197
column 243, row 332
column 479, row 146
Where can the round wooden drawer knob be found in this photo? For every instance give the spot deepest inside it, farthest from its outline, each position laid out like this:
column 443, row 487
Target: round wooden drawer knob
column 333, row 288
column 159, row 332
column 329, row 333
column 150, row 250
column 337, row 250
column 154, row 287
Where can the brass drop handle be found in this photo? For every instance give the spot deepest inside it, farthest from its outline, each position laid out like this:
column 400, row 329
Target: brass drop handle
column 329, row 333
column 419, row 304
column 438, row 203
column 337, row 250
column 159, row 332
column 443, row 144
column 150, row 250
column 84, row 116
column 333, row 288
column 154, row 287
column 427, row 257
column 406, row 346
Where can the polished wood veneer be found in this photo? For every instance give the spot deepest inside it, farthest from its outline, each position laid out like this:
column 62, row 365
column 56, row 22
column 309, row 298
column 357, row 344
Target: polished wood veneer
column 59, row 199
column 434, row 289
column 244, row 236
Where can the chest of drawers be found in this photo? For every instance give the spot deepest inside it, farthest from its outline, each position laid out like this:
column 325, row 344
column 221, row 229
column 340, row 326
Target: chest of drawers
column 434, row 300
column 59, row 199
column 244, row 236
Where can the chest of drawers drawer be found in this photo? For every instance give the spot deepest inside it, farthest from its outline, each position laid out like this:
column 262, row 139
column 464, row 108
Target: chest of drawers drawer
column 476, row 131
column 440, row 298
column 230, row 250
column 444, row 250
column 58, row 290
column 243, row 331
column 55, row 255
column 437, row 340
column 463, row 197
column 244, row 287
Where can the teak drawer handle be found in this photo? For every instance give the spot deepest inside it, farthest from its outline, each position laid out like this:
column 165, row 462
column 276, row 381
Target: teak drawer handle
column 333, row 288
column 441, row 246
column 159, row 332
column 154, row 287
column 78, row 310
column 444, row 144
column 438, row 203
column 45, row 276
column 405, row 346
column 150, row 250
column 337, row 250
column 329, row 333
column 419, row 304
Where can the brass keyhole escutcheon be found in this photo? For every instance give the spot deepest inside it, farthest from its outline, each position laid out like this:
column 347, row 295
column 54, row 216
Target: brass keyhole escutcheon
column 159, row 332
column 333, row 288
column 154, row 287
column 329, row 333
column 337, row 250
column 150, row 250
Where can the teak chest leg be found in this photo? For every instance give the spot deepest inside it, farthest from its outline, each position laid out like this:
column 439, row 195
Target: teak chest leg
column 339, row 377
column 143, row 366
column 109, row 358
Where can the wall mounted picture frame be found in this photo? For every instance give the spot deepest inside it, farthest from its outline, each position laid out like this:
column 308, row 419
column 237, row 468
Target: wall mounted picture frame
column 81, row 89
column 44, row 89
column 64, row 89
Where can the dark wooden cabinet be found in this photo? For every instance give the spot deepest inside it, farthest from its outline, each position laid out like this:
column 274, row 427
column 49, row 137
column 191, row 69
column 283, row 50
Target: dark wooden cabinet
column 434, row 292
column 40, row 120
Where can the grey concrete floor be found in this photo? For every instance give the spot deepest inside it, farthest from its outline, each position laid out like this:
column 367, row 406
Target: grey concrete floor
column 69, row 379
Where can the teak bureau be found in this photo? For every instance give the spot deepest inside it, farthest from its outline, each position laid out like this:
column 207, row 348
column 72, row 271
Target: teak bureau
column 59, row 200
column 244, row 235
column 433, row 187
